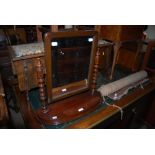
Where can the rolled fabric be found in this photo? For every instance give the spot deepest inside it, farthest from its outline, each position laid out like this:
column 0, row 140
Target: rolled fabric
column 112, row 87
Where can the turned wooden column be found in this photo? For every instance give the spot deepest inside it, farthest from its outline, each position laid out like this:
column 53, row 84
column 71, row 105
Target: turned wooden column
column 39, row 34
column 54, row 28
column 41, row 84
column 95, row 71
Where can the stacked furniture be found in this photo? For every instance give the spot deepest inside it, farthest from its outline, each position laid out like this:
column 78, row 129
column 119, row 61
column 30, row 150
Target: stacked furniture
column 127, row 44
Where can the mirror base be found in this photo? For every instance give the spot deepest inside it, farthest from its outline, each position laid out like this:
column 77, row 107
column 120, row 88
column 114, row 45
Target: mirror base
column 70, row 109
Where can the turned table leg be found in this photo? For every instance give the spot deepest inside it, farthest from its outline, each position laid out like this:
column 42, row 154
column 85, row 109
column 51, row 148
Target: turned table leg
column 147, row 53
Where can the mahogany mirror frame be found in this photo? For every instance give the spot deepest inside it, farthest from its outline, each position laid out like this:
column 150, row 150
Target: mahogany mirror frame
column 55, row 94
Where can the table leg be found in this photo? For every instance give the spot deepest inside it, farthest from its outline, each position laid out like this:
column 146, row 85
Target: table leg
column 117, row 46
column 147, row 54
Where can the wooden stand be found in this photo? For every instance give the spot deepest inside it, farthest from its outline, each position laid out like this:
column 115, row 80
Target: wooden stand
column 71, row 108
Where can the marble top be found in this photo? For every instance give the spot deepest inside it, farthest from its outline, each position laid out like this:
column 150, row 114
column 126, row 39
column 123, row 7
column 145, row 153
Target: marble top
column 28, row 49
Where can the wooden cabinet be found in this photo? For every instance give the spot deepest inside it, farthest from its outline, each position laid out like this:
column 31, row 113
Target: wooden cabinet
column 130, row 55
column 120, row 34
column 24, row 66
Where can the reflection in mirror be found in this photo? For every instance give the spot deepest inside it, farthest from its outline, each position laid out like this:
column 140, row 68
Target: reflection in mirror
column 70, row 59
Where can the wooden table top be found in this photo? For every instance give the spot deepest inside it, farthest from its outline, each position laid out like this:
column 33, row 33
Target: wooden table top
column 109, row 111
column 93, row 119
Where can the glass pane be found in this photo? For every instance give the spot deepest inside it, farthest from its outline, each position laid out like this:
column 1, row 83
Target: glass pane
column 70, row 59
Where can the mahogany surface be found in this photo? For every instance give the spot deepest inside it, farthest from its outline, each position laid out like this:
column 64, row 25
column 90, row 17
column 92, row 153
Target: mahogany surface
column 70, row 109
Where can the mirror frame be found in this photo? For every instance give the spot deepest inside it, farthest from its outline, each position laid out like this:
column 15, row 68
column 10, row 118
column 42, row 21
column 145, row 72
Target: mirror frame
column 55, row 94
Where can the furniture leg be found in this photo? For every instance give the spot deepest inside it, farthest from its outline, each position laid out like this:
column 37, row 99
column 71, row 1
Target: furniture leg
column 135, row 65
column 117, row 46
column 147, row 53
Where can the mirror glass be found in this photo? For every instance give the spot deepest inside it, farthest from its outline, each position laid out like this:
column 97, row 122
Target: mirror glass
column 70, row 59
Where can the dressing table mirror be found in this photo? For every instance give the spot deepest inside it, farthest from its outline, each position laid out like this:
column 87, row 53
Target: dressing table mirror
column 71, row 61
